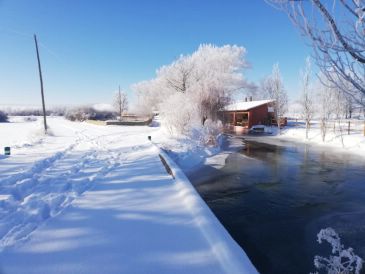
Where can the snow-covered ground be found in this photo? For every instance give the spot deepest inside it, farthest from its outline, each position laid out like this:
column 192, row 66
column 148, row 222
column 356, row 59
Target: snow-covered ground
column 353, row 142
column 96, row 199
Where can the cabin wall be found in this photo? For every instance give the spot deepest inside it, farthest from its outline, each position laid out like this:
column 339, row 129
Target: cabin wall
column 258, row 116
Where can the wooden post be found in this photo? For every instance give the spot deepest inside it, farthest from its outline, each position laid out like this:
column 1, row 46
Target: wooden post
column 120, row 103
column 348, row 128
column 41, row 80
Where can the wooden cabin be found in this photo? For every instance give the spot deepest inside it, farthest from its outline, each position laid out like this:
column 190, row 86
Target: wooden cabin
column 241, row 116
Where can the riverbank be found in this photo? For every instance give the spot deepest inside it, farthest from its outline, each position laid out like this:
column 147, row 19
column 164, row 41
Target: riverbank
column 347, row 138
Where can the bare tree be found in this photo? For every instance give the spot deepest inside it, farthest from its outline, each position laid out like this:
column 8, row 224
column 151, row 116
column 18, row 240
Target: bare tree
column 336, row 32
column 120, row 103
column 274, row 88
column 350, row 106
column 306, row 100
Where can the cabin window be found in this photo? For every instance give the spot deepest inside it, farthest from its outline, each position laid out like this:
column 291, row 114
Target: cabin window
column 229, row 119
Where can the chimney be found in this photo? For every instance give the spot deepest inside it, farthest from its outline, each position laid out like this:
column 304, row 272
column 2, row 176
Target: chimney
column 245, row 99
column 250, row 98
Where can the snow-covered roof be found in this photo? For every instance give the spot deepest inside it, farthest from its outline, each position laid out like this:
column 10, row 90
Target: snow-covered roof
column 243, row 105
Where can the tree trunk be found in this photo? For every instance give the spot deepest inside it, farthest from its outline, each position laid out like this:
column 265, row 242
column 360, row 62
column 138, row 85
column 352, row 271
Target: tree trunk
column 307, row 126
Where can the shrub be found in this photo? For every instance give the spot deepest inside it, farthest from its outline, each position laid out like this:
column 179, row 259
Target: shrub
column 30, row 119
column 88, row 113
column 209, row 134
column 3, row 117
column 342, row 260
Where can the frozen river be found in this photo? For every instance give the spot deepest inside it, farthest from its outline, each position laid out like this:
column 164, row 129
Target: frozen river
column 274, row 199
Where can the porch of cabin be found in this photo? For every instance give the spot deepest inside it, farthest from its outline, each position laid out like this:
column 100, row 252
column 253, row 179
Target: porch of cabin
column 237, row 121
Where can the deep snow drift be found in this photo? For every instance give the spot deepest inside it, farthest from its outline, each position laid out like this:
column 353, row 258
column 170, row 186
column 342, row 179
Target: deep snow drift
column 96, row 199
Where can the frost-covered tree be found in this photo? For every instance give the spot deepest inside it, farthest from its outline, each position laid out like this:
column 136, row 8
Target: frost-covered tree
column 339, row 107
column 179, row 76
column 149, row 95
column 178, row 115
column 274, row 88
column 325, row 107
column 306, row 99
column 336, row 31
column 202, row 82
column 120, row 103
column 342, row 261
column 217, row 75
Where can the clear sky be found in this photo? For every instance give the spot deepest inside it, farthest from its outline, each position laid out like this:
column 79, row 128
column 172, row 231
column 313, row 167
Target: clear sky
column 89, row 47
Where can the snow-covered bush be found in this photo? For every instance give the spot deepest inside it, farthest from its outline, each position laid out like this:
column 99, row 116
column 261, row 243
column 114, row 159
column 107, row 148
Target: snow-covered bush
column 210, row 133
column 3, row 117
column 79, row 114
column 88, row 113
column 343, row 261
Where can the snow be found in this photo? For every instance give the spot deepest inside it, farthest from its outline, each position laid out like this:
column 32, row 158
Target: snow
column 97, row 199
column 246, row 105
column 10, row 132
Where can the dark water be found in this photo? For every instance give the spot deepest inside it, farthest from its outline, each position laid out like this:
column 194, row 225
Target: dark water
column 276, row 201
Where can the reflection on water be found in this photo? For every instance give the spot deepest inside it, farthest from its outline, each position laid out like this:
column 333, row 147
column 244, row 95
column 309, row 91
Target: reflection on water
column 274, row 200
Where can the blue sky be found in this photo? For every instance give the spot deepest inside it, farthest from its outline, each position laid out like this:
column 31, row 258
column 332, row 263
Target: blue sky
column 90, row 47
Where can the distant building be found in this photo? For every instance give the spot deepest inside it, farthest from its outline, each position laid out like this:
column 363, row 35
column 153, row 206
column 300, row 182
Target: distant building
column 240, row 116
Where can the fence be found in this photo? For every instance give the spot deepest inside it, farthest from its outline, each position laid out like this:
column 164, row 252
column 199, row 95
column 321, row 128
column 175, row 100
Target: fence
column 346, row 126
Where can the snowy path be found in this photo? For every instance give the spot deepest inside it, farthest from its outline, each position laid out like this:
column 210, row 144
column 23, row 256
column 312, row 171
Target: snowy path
column 101, row 203
column 37, row 183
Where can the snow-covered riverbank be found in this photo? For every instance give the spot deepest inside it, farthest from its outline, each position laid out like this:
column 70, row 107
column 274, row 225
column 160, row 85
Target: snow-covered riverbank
column 97, row 199
column 336, row 138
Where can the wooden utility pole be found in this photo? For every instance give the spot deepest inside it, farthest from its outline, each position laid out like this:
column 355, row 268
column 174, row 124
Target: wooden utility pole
column 41, row 80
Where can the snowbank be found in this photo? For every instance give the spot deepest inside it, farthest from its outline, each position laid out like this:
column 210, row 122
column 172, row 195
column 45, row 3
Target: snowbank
column 232, row 258
column 21, row 131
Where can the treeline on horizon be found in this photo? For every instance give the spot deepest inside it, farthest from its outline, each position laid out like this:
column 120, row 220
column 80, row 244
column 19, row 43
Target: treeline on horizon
column 80, row 113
